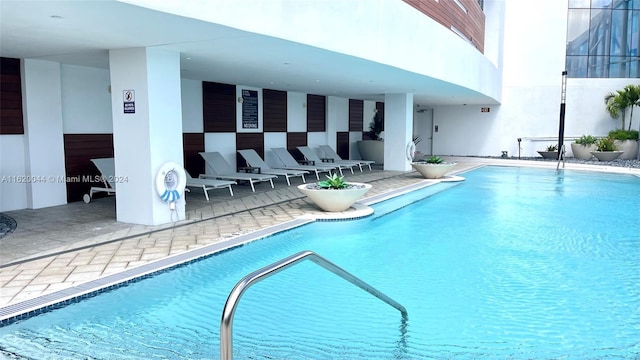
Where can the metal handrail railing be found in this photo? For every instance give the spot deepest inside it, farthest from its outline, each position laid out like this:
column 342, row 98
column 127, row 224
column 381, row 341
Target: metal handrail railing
column 561, row 157
column 226, row 323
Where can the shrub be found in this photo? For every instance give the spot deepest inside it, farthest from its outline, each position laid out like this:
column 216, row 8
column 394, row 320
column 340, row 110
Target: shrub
column 620, row 134
column 605, row 144
column 587, row 140
column 552, row 148
column 434, row 160
column 333, row 182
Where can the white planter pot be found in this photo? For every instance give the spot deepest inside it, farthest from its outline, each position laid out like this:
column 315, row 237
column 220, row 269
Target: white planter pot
column 371, row 150
column 606, row 155
column 433, row 171
column 334, row 199
column 582, row 152
column 628, row 147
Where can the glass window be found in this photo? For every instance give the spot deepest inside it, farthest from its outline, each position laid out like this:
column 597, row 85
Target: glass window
column 603, row 41
column 622, row 32
column 600, row 4
column 598, row 67
column 600, row 32
column 578, row 32
column 576, row 66
column 579, row 4
column 618, row 67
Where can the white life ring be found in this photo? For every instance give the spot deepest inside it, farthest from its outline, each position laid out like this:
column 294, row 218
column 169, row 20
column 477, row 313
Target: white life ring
column 411, row 150
column 170, row 182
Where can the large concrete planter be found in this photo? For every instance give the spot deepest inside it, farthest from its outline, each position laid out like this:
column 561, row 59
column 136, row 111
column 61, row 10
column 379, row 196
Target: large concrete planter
column 606, row 155
column 582, row 152
column 628, row 147
column 371, row 150
column 335, row 199
column 433, row 171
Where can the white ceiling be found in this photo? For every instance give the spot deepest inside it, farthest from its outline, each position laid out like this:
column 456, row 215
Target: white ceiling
column 82, row 32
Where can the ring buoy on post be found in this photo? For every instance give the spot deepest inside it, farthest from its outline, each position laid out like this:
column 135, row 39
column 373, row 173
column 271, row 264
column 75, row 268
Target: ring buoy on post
column 170, row 182
column 411, row 150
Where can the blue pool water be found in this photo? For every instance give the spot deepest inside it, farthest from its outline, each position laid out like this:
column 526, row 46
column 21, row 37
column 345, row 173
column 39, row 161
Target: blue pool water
column 513, row 263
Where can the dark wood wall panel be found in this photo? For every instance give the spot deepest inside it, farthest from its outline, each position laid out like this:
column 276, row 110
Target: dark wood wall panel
column 253, row 141
column 274, row 110
column 356, row 115
column 193, row 143
column 79, row 149
column 295, row 139
column 448, row 13
column 218, row 107
column 316, row 113
column 342, row 144
column 10, row 97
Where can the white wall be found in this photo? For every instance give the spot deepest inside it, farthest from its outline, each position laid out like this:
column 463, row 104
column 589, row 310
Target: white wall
column 13, row 194
column 296, row 112
column 192, row 106
column 86, row 100
column 43, row 140
column 534, row 58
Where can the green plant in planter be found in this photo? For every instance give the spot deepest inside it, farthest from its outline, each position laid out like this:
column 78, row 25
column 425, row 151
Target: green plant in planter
column 605, row 144
column 621, row 134
column 587, row 140
column 333, row 182
column 552, row 148
column 433, row 160
column 376, row 126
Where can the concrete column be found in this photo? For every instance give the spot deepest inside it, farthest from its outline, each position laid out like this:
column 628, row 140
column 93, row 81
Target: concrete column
column 43, row 134
column 398, row 131
column 147, row 133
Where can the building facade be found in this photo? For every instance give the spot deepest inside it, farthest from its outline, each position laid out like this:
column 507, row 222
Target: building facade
column 469, row 77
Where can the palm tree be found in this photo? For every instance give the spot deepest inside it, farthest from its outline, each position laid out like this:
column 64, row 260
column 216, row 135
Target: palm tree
column 616, row 105
column 618, row 102
column 632, row 93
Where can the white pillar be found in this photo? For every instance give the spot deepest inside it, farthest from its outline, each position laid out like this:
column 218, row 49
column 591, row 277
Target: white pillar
column 398, row 131
column 148, row 137
column 43, row 134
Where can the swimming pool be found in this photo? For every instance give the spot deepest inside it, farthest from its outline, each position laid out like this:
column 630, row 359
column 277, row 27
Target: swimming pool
column 512, row 263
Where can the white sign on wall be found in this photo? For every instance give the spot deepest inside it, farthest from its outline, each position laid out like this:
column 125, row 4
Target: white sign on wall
column 129, row 99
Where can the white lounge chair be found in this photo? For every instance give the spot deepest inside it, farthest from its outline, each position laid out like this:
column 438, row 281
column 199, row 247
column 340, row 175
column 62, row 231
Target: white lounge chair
column 221, row 169
column 289, row 162
column 330, row 153
column 107, row 168
column 254, row 160
column 208, row 184
column 311, row 155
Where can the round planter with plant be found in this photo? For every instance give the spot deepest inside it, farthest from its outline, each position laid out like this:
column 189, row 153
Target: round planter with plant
column 334, row 194
column 583, row 147
column 433, row 167
column 606, row 150
column 625, row 141
column 550, row 153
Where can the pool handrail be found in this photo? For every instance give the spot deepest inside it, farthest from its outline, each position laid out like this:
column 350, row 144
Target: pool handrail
column 226, row 323
column 561, row 157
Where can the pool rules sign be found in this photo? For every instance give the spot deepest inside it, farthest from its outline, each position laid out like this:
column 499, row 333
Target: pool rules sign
column 129, row 98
